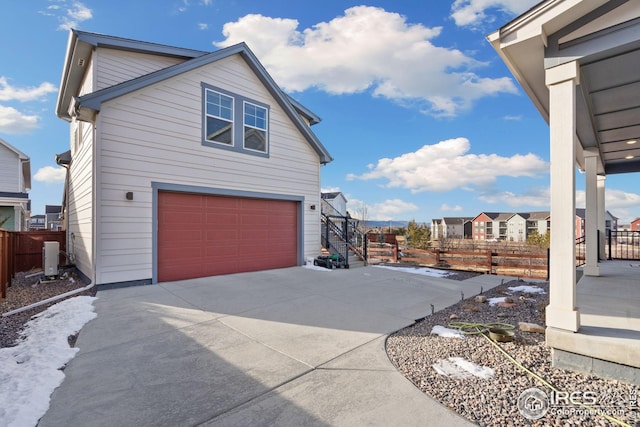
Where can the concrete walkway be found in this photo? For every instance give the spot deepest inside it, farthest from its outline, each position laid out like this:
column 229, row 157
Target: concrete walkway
column 286, row 347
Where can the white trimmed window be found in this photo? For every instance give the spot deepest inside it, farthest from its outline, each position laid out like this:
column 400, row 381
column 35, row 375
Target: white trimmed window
column 255, row 127
column 219, row 117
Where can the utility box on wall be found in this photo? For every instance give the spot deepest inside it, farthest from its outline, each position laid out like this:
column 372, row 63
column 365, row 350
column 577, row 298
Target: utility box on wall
column 50, row 253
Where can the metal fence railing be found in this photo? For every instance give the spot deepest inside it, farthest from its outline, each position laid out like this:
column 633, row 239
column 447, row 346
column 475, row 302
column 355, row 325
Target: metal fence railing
column 623, row 244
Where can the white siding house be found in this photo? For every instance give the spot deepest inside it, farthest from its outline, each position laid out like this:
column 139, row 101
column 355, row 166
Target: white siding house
column 15, row 181
column 337, row 203
column 150, row 162
column 516, row 228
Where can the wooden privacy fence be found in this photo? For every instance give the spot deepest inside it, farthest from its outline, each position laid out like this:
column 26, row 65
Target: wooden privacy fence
column 6, row 262
column 22, row 251
column 531, row 264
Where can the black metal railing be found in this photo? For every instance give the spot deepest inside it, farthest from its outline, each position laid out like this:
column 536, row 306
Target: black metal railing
column 623, row 244
column 340, row 235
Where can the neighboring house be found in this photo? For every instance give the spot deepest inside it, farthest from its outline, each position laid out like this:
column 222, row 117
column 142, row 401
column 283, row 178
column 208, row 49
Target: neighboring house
column 524, row 224
column 53, row 217
column 516, row 227
column 498, row 230
column 37, row 222
column 610, row 222
column 184, row 163
column 538, row 222
column 483, row 225
column 635, row 225
column 580, row 222
column 337, row 203
column 436, row 229
column 15, row 181
column 453, row 227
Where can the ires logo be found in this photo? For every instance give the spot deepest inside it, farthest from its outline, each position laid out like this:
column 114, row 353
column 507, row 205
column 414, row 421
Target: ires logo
column 560, row 398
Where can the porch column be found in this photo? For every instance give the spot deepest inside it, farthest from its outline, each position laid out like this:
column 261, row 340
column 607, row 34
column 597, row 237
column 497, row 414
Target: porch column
column 591, row 268
column 17, row 218
column 561, row 312
column 602, row 229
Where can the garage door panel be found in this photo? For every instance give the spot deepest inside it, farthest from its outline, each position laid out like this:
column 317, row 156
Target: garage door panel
column 205, row 235
column 221, row 219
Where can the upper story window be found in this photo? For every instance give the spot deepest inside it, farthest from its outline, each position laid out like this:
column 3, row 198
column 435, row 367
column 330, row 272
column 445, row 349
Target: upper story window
column 219, row 117
column 234, row 122
column 255, row 127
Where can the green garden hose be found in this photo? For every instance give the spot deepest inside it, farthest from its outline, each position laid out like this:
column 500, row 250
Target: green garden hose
column 469, row 328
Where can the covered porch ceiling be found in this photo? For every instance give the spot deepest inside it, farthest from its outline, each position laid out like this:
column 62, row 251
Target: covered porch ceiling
column 604, row 38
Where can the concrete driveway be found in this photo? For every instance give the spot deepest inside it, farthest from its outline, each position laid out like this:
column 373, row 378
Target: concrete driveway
column 286, row 347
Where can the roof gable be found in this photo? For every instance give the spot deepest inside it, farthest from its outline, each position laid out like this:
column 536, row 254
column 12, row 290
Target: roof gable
column 24, row 160
column 94, row 100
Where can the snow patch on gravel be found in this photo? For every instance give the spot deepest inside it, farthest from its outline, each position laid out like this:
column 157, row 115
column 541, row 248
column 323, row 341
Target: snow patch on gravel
column 460, row 368
column 528, row 289
column 494, row 301
column 446, row 332
column 424, row 271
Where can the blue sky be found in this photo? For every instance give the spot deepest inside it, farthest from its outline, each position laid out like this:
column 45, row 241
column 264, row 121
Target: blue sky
column 420, row 114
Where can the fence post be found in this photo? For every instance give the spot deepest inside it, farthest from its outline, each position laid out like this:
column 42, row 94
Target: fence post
column 609, row 238
column 366, row 248
column 490, row 261
column 4, row 264
column 548, row 263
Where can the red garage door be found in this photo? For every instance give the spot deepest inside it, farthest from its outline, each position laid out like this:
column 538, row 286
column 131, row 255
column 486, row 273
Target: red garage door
column 203, row 235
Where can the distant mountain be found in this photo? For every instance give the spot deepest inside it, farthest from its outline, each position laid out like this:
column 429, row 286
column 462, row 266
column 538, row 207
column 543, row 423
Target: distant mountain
column 382, row 224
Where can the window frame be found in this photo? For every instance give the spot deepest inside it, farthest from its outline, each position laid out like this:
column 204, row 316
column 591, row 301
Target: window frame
column 238, row 124
column 206, row 115
column 265, row 130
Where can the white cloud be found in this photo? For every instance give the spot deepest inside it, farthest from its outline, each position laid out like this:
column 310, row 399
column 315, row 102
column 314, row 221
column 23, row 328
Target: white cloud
column 50, row 174
column 619, row 203
column 613, row 199
column 513, row 118
column 330, row 189
column 10, row 93
column 203, row 26
column 391, row 209
column 74, row 14
column 445, row 208
column 447, row 165
column 473, row 12
column 536, row 197
column 13, row 121
column 367, row 48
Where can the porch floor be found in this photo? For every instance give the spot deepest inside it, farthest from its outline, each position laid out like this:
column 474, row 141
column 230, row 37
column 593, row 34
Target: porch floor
column 609, row 334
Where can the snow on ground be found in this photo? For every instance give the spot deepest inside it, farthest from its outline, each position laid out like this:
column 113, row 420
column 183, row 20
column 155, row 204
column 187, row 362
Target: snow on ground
column 316, row 267
column 424, row 271
column 494, row 301
column 528, row 289
column 460, row 368
column 446, row 332
column 30, row 371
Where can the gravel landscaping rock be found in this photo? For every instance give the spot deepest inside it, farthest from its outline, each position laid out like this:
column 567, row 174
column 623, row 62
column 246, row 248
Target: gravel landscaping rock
column 494, row 401
column 25, row 291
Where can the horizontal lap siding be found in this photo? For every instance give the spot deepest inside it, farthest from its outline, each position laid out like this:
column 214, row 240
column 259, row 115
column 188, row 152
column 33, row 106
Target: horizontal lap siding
column 117, row 66
column 154, row 135
column 80, row 223
column 10, row 171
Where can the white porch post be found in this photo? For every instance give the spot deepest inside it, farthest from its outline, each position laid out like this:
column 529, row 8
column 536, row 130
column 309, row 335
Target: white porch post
column 561, row 312
column 17, row 218
column 601, row 217
column 591, row 268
